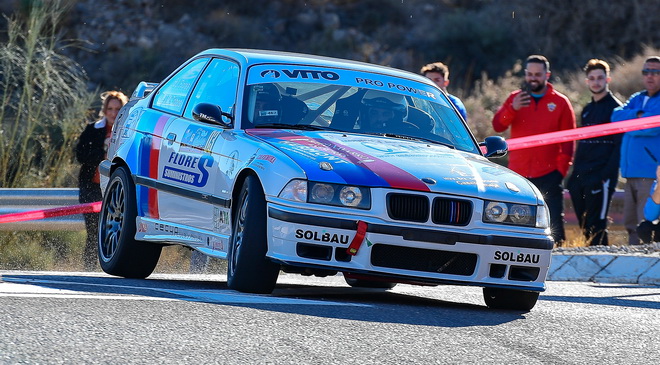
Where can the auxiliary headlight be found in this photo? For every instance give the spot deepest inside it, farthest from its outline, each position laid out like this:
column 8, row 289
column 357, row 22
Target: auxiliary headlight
column 350, row 196
column 328, row 194
column 508, row 213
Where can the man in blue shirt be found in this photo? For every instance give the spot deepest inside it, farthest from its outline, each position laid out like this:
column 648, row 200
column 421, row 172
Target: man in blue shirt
column 640, row 150
column 649, row 230
column 438, row 72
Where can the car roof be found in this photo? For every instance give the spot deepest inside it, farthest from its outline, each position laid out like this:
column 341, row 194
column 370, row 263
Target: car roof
column 255, row 56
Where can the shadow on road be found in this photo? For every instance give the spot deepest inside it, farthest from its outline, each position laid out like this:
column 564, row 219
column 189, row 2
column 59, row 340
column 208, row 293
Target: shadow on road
column 372, row 305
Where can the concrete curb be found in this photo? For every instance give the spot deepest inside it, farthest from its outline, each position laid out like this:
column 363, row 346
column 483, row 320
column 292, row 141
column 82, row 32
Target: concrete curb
column 606, row 268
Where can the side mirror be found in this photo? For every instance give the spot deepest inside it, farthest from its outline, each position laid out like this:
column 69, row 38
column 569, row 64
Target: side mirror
column 495, row 146
column 210, row 113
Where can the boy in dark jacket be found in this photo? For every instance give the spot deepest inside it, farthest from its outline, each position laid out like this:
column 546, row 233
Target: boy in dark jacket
column 596, row 161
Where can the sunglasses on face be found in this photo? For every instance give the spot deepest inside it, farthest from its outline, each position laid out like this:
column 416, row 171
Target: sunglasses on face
column 650, row 71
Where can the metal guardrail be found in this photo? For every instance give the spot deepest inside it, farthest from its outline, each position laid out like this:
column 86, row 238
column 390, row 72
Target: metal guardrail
column 25, row 200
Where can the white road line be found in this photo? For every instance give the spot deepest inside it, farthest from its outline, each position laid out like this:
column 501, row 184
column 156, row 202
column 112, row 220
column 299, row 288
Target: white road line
column 33, row 288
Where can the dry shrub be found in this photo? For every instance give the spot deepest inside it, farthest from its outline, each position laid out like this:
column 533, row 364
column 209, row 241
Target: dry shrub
column 626, row 74
column 44, row 102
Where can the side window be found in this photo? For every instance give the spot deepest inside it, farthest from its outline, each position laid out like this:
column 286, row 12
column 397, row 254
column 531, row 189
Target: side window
column 172, row 96
column 218, row 85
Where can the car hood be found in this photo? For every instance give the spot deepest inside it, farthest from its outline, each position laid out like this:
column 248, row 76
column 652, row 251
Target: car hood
column 373, row 161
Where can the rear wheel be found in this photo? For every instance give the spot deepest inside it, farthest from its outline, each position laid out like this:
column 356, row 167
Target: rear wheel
column 119, row 253
column 248, row 269
column 497, row 298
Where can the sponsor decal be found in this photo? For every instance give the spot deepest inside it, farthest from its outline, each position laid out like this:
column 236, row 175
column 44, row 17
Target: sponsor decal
column 211, row 141
column 394, row 86
column 372, row 170
column 142, row 227
column 301, row 74
column 493, row 171
column 130, row 120
column 552, row 107
column 166, row 228
column 270, row 73
column 179, row 232
column 322, row 236
column 268, row 113
column 472, row 181
column 217, row 245
column 311, row 74
column 187, row 169
column 315, row 152
column 196, row 136
column 220, row 218
column 231, row 162
column 269, row 158
column 357, row 78
column 517, row 257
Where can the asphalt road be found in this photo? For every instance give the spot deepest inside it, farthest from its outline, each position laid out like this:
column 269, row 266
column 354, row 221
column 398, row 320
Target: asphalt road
column 68, row 318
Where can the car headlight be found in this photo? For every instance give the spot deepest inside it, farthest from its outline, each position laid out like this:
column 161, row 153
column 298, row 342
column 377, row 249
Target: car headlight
column 295, row 190
column 542, row 217
column 515, row 214
column 327, row 194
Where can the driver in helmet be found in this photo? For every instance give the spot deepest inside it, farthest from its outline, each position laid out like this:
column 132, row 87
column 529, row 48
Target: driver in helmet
column 381, row 111
column 267, row 104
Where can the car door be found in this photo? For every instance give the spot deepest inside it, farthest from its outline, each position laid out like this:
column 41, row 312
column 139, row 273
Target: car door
column 199, row 196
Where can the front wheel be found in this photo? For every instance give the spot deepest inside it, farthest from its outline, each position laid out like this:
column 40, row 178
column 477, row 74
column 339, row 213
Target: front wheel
column 120, row 254
column 248, row 269
column 497, row 298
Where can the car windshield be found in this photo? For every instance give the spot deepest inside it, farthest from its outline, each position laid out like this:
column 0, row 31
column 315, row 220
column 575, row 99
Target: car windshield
column 281, row 96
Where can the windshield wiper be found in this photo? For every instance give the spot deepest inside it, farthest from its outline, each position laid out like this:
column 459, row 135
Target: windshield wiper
column 306, row 127
column 420, row 139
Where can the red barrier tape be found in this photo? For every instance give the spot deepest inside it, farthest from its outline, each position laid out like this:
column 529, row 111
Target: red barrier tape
column 513, row 143
column 582, row 133
column 54, row 212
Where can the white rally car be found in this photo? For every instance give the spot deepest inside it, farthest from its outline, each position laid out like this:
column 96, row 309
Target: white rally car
column 314, row 165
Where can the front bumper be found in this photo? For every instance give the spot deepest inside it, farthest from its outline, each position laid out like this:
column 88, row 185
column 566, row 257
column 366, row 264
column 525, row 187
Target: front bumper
column 407, row 253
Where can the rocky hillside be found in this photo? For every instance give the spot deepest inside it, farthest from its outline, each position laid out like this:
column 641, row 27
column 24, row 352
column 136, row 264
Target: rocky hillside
column 121, row 42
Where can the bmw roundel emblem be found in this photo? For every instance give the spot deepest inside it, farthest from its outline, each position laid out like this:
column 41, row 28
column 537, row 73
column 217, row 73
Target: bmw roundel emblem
column 325, row 166
column 429, row 181
column 270, row 73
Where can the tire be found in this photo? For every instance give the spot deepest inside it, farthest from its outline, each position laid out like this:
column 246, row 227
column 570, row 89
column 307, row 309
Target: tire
column 361, row 283
column 119, row 253
column 248, row 269
column 497, row 298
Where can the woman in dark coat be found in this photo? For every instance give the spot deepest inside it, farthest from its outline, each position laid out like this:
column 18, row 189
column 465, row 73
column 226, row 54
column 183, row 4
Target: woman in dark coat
column 90, row 151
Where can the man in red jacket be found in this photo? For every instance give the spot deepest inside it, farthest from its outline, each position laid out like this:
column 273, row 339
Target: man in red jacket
column 535, row 109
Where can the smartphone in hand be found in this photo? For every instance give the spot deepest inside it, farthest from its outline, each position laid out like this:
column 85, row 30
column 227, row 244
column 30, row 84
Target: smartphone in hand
column 525, row 95
column 526, row 87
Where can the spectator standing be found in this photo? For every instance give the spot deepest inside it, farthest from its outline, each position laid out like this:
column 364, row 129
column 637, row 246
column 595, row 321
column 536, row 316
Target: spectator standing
column 649, row 229
column 90, row 151
column 596, row 162
column 539, row 108
column 438, row 72
column 640, row 150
